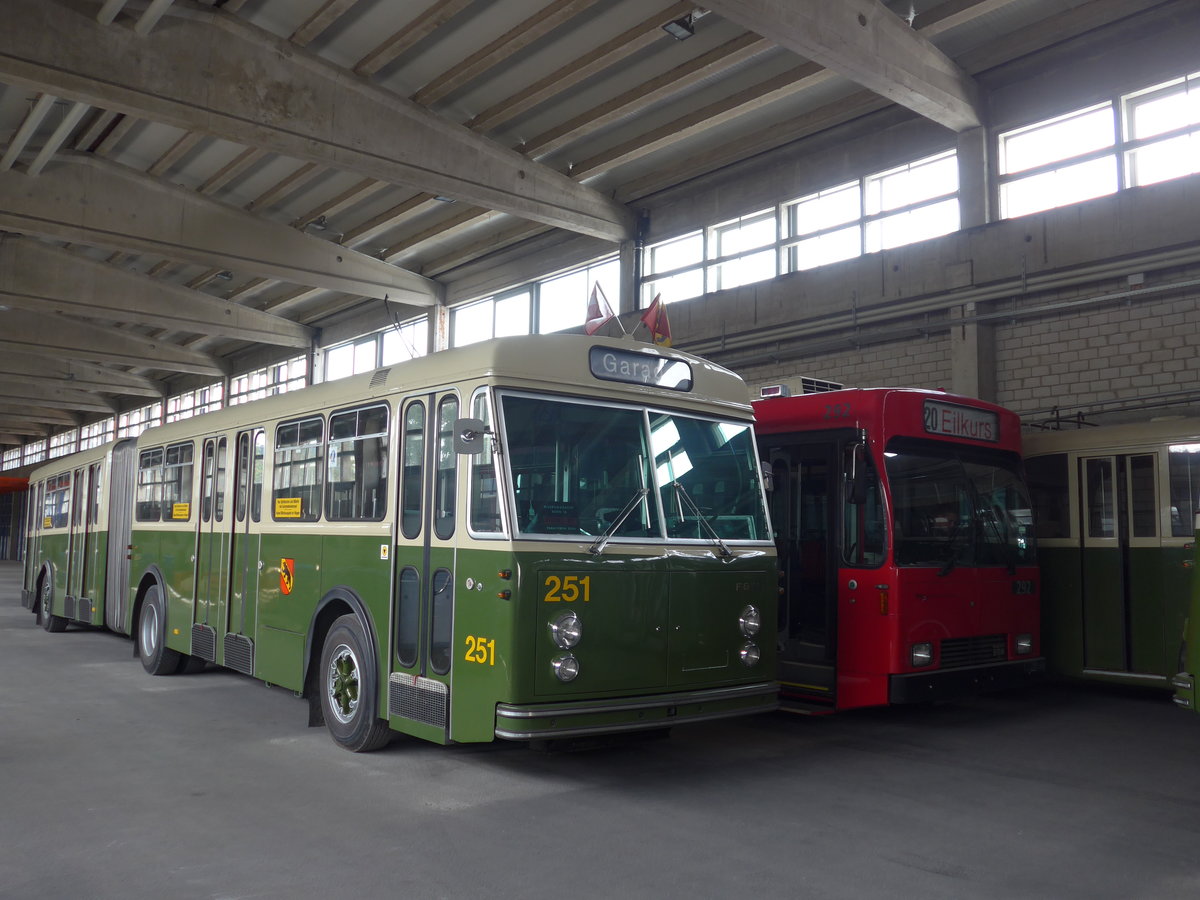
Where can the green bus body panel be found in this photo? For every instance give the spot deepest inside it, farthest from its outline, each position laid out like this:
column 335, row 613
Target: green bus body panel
column 1086, row 625
column 1103, row 610
column 1176, row 569
column 484, row 674
column 1188, row 664
column 1062, row 610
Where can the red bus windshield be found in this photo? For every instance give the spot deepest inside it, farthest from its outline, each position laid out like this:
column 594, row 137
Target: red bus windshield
column 957, row 506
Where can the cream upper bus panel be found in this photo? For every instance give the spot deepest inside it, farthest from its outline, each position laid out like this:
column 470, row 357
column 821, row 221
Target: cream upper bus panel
column 530, row 361
column 67, row 465
column 70, row 463
column 1116, row 438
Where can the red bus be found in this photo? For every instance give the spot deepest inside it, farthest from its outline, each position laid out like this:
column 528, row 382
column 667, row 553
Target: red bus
column 906, row 549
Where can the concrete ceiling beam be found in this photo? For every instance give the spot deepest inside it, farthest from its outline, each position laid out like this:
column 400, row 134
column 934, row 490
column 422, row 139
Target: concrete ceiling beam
column 45, row 279
column 222, row 76
column 74, row 339
column 869, row 44
column 103, row 204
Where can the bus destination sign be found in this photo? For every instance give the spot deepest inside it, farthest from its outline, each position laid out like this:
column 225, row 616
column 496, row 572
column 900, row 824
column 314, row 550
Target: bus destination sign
column 640, row 368
column 951, row 420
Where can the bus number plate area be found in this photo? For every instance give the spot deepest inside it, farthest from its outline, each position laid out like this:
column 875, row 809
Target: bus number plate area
column 567, row 588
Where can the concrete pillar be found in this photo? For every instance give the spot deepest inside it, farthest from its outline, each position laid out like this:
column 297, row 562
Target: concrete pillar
column 628, row 256
column 974, row 189
column 439, row 328
column 972, row 355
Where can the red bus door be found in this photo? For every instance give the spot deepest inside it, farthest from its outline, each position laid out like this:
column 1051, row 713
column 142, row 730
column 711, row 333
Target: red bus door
column 805, row 473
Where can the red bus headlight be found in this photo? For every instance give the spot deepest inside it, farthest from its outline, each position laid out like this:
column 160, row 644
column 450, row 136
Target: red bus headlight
column 922, row 654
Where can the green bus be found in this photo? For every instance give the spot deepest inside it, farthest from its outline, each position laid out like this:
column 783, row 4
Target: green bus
column 530, row 538
column 1115, row 509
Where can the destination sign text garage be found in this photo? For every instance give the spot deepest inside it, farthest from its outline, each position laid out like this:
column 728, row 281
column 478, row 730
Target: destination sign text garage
column 640, row 368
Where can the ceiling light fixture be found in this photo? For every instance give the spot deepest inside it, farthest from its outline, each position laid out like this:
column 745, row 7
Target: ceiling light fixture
column 681, row 29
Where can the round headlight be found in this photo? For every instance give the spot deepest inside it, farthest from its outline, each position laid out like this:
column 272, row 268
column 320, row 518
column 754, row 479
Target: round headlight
column 749, row 654
column 566, row 668
column 750, row 621
column 566, row 630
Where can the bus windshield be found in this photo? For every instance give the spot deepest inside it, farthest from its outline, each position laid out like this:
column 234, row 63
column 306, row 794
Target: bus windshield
column 585, row 469
column 956, row 506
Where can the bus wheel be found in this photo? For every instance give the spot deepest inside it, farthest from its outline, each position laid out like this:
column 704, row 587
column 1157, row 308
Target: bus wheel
column 347, row 685
column 50, row 622
column 190, row 665
column 152, row 636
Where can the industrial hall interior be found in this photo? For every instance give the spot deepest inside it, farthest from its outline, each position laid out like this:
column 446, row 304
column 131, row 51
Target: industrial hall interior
column 679, row 448
column 204, row 203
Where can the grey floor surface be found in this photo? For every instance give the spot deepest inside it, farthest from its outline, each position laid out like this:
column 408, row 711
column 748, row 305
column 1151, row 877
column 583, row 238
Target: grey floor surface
column 114, row 784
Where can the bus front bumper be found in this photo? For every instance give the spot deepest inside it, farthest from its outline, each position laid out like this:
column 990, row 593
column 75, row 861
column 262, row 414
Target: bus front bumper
column 530, row 721
column 955, row 684
column 27, row 598
column 1185, row 690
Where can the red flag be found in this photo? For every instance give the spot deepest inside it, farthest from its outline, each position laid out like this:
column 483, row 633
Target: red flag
column 655, row 318
column 598, row 311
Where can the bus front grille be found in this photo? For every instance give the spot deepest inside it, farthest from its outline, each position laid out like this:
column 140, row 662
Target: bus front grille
column 973, row 651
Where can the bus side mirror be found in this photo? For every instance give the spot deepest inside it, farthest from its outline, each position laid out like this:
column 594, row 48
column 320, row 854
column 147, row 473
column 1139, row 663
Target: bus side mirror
column 856, row 473
column 470, row 436
column 768, row 478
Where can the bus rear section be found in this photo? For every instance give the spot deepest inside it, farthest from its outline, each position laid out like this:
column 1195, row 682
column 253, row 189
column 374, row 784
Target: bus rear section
column 905, row 540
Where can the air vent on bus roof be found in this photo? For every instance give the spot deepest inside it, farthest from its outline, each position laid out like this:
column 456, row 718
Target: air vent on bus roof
column 379, row 379
column 806, row 386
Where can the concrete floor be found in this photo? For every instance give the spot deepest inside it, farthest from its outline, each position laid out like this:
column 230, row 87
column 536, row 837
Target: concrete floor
column 116, row 784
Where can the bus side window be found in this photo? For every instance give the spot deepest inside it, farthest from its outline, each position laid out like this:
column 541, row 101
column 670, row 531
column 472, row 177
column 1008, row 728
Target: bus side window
column 1184, row 468
column 95, row 486
column 1048, row 486
column 864, row 531
column 299, row 454
column 447, row 469
column 149, row 486
column 358, row 448
column 177, row 482
column 484, row 498
column 412, row 467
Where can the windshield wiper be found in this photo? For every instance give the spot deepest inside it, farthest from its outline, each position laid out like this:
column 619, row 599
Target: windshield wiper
column 955, row 547
column 599, row 544
column 992, row 521
column 682, row 494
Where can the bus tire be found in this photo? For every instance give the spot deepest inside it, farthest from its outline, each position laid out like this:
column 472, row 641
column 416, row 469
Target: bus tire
column 156, row 658
column 190, row 665
column 52, row 623
column 347, row 685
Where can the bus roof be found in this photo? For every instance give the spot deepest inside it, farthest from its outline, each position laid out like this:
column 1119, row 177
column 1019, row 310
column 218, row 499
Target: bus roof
column 895, row 410
column 62, row 464
column 556, row 362
column 1181, row 430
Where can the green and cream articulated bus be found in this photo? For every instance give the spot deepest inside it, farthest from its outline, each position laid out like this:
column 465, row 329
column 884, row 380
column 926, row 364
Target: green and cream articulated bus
column 1116, row 509
column 530, row 538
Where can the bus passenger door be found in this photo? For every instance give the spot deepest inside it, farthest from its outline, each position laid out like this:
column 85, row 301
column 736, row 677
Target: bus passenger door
column 89, row 558
column 212, row 551
column 244, row 572
column 1127, row 575
column 803, row 503
column 1103, row 564
column 421, row 646
column 78, row 520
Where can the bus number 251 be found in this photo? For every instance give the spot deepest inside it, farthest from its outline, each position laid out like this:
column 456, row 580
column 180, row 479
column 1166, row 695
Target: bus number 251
column 480, row 650
column 568, row 588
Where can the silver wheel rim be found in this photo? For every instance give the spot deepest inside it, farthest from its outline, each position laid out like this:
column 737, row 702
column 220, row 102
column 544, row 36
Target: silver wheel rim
column 342, row 684
column 148, row 630
column 46, row 595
